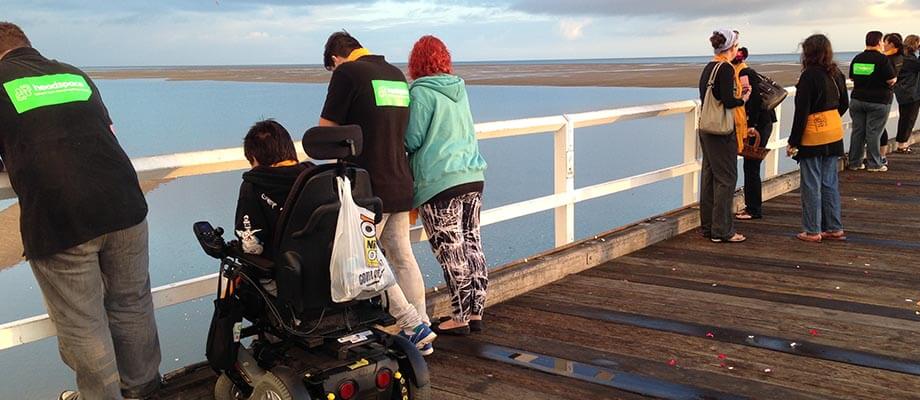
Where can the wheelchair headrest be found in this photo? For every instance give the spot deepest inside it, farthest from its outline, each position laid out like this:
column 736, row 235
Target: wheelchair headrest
column 333, row 142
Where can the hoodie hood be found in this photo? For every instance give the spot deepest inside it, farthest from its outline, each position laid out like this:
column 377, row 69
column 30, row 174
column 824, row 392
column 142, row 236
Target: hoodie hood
column 451, row 86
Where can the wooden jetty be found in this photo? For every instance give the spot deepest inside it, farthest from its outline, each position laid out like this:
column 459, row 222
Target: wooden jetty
column 772, row 318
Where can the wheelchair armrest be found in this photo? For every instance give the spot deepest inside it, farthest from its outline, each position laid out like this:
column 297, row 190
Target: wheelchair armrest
column 254, row 260
column 320, row 212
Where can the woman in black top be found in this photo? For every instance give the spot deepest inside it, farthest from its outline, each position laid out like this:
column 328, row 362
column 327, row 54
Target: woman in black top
column 720, row 151
column 907, row 90
column 762, row 121
column 816, row 140
column 893, row 49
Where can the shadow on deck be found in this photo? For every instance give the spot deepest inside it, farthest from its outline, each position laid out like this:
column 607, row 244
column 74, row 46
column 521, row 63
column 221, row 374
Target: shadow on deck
column 686, row 318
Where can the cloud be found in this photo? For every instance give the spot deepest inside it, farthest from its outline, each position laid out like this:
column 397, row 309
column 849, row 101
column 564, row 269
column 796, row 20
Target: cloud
column 572, row 29
column 257, row 35
column 638, row 8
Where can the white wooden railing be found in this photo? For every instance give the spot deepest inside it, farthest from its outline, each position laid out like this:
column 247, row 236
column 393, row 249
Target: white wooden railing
column 563, row 199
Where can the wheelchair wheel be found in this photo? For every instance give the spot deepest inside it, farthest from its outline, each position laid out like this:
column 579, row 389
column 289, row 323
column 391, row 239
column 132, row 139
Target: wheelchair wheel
column 270, row 387
column 406, row 389
column 224, row 389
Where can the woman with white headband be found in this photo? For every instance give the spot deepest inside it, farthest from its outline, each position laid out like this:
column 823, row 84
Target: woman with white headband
column 719, row 85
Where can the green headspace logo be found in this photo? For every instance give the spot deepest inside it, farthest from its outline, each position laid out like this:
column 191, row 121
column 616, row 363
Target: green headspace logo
column 48, row 90
column 863, row 69
column 391, row 93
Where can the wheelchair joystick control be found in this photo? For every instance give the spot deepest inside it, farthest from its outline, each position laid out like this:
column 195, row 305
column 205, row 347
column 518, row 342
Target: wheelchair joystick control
column 210, row 239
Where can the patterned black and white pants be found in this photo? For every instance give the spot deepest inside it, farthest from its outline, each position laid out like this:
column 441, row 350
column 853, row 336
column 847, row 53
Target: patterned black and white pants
column 453, row 232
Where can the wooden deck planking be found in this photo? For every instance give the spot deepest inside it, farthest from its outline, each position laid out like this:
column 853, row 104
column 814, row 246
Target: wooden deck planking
column 771, row 286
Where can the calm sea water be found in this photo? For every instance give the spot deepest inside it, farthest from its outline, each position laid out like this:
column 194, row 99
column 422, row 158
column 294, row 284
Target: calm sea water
column 158, row 117
column 755, row 58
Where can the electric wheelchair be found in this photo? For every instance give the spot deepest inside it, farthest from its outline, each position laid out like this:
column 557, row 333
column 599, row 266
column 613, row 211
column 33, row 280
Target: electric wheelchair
column 298, row 344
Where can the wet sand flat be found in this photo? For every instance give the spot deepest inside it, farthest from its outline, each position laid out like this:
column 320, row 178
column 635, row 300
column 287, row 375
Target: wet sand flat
column 601, row 75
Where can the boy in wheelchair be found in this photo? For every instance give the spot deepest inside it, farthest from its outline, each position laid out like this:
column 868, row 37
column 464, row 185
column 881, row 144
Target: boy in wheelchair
column 265, row 188
column 305, row 345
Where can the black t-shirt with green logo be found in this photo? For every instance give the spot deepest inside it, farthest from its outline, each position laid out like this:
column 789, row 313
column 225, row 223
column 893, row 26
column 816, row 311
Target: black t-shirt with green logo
column 870, row 72
column 73, row 179
column 373, row 94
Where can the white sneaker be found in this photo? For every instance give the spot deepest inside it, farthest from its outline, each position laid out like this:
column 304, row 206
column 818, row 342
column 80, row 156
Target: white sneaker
column 883, row 168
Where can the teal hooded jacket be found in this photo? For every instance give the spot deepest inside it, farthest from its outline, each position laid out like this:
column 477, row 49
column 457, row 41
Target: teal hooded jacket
column 441, row 139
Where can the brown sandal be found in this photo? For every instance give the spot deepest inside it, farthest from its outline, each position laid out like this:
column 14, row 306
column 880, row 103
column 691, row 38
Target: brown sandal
column 806, row 237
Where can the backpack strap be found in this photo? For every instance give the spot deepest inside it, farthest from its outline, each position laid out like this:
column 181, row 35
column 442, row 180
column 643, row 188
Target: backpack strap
column 712, row 75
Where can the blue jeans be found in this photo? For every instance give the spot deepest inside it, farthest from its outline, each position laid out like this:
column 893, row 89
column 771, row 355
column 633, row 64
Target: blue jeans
column 869, row 121
column 820, row 194
column 98, row 296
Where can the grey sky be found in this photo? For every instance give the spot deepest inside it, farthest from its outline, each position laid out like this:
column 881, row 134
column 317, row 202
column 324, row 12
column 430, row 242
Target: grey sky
column 181, row 32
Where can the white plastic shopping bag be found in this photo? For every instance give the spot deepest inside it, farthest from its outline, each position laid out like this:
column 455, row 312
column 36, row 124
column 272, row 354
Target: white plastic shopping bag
column 357, row 268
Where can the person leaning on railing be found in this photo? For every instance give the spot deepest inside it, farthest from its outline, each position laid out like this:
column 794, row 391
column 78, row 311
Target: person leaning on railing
column 720, row 149
column 449, row 179
column 759, row 120
column 367, row 91
column 893, row 48
column 907, row 90
column 873, row 76
column 83, row 223
column 816, row 140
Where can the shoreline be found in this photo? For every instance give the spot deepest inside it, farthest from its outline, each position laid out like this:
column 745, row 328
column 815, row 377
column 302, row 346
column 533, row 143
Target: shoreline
column 571, row 75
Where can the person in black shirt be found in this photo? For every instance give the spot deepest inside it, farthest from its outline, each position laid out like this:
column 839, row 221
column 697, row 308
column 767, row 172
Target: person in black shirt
column 720, row 151
column 892, row 48
column 873, row 76
column 762, row 121
column 907, row 91
column 816, row 140
column 83, row 221
column 367, row 91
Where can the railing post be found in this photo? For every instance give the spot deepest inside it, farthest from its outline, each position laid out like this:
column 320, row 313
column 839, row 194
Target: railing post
column 691, row 185
column 772, row 161
column 564, row 181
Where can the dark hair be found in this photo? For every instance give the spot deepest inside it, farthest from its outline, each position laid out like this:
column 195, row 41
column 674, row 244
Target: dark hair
column 268, row 143
column 717, row 40
column 896, row 40
column 12, row 37
column 741, row 56
column 817, row 51
column 429, row 56
column 339, row 44
column 873, row 38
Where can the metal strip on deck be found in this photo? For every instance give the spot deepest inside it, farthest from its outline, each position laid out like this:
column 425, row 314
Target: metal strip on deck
column 839, row 305
column 735, row 336
column 606, row 376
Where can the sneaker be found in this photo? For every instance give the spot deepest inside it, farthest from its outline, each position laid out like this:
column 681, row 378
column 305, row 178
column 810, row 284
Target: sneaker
column 420, row 336
column 426, row 350
column 69, row 395
column 884, row 161
column 883, row 168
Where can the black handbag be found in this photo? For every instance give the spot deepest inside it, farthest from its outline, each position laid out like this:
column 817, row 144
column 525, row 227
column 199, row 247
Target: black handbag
column 223, row 342
column 772, row 94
